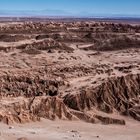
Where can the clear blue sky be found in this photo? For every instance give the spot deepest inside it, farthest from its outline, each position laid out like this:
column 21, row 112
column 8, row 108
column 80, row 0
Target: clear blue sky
column 125, row 7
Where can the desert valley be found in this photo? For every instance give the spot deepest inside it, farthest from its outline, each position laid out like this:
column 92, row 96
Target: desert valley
column 69, row 80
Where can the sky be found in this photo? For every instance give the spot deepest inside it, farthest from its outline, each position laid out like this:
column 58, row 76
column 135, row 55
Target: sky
column 73, row 7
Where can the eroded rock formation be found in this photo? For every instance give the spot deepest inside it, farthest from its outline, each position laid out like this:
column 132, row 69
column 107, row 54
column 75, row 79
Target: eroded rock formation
column 75, row 71
column 120, row 94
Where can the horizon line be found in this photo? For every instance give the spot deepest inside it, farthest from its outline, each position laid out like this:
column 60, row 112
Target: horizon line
column 72, row 17
column 52, row 12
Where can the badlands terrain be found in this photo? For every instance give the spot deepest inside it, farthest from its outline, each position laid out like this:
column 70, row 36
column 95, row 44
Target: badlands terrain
column 69, row 80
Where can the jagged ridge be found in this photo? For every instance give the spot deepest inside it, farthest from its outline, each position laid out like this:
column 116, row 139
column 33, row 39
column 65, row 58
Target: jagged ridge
column 120, row 94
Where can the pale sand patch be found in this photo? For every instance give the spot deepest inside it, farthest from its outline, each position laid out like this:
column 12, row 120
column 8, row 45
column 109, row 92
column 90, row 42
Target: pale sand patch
column 71, row 130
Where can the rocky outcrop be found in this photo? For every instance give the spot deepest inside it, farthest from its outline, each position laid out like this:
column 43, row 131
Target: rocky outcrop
column 46, row 44
column 12, row 38
column 17, row 112
column 27, row 86
column 120, row 94
column 32, row 109
column 109, row 120
column 51, row 108
column 117, row 43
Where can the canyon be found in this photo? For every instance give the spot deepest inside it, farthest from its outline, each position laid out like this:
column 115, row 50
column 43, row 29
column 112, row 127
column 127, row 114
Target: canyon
column 69, row 73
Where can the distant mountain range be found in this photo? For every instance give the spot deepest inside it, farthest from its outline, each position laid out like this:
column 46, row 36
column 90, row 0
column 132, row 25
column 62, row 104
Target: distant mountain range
column 28, row 13
column 34, row 13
